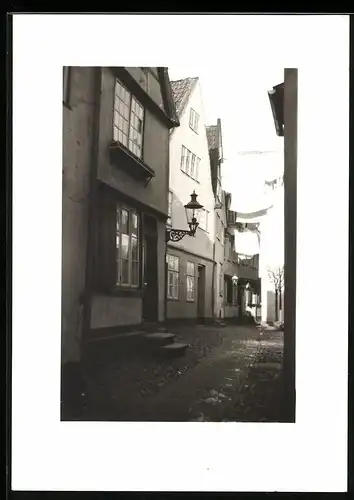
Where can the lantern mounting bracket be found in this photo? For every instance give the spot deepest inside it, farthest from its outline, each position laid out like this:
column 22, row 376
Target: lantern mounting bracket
column 191, row 208
column 177, row 234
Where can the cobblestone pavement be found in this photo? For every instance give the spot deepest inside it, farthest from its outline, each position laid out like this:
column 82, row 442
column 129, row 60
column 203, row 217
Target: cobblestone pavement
column 261, row 398
column 117, row 388
column 217, row 379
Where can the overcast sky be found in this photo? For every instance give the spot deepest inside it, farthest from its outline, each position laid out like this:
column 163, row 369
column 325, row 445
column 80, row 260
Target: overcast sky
column 242, row 104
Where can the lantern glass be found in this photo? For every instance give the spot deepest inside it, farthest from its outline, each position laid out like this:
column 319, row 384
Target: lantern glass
column 193, row 208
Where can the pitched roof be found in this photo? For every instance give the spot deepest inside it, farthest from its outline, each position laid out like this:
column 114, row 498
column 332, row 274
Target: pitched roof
column 181, row 90
column 167, row 94
column 212, row 133
column 214, row 136
column 276, row 98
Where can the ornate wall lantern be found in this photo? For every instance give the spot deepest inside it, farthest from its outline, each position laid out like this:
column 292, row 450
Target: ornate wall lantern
column 192, row 208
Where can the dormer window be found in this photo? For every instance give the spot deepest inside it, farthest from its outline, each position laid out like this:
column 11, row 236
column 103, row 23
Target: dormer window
column 128, row 122
column 193, row 120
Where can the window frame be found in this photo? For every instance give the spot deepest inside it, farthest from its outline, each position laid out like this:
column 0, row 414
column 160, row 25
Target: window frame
column 191, row 276
column 169, row 208
column 189, row 159
column 172, row 272
column 117, row 115
column 120, row 207
column 206, row 212
column 193, row 120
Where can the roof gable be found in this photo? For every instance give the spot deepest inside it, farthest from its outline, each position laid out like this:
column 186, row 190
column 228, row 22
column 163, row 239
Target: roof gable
column 214, row 137
column 181, row 91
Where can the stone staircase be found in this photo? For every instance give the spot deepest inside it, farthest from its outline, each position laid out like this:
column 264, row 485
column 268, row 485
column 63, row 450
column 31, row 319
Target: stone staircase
column 160, row 342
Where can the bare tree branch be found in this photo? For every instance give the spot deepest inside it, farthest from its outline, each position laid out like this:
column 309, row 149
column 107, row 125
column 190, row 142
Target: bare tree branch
column 276, row 276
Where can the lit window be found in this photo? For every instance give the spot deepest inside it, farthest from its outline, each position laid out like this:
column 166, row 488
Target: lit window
column 190, row 275
column 172, row 276
column 127, row 247
column 128, row 120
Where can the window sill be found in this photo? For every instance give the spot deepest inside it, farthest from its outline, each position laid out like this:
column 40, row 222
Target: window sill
column 193, row 178
column 125, row 159
column 195, row 131
column 172, row 299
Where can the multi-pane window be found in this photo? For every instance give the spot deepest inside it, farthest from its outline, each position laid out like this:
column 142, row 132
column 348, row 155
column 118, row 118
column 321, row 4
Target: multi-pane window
column 170, row 199
column 128, row 120
column 190, row 163
column 190, row 275
column 193, row 120
column 127, row 247
column 192, row 166
column 203, row 219
column 188, row 159
column 172, row 276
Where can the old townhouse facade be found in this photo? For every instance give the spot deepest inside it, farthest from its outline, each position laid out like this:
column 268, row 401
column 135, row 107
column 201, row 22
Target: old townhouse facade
column 116, row 124
column 214, row 136
column 242, row 281
column 190, row 265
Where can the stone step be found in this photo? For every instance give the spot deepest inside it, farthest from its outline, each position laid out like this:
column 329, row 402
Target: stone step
column 153, row 327
column 173, row 350
column 159, row 338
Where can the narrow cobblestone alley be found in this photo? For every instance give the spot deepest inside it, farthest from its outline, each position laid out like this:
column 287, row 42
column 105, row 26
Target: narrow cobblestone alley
column 218, row 380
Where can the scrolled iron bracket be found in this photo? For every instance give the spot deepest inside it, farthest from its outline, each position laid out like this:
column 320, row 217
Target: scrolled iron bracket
column 177, row 234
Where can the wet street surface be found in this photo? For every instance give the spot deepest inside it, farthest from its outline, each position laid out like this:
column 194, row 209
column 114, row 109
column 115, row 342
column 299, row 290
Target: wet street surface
column 228, row 374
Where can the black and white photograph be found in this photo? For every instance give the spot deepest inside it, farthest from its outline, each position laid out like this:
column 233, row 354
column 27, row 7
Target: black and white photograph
column 178, row 242
column 175, row 297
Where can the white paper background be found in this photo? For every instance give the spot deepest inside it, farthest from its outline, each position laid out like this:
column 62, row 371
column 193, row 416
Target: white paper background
column 307, row 456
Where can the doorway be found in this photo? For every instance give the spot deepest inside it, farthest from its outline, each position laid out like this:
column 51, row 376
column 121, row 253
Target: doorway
column 150, row 275
column 240, row 300
column 201, row 293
